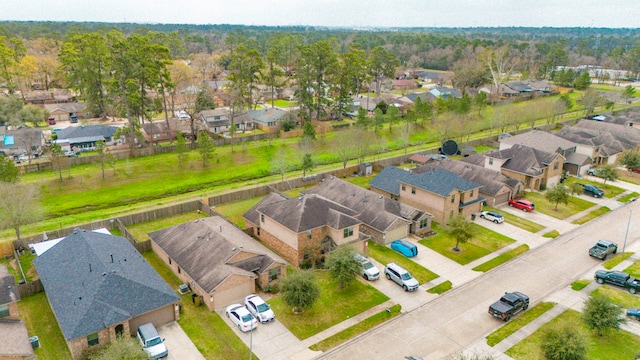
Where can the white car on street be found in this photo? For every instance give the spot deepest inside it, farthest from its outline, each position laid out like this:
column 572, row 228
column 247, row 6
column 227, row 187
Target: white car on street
column 259, row 308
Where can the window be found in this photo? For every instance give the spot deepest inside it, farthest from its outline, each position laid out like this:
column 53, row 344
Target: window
column 179, row 271
column 308, row 234
column 471, row 195
column 453, row 199
column 404, row 187
column 413, row 190
column 490, row 161
column 92, row 339
column 4, row 311
column 261, row 217
column 451, row 214
column 424, row 223
column 555, row 166
column 273, row 273
column 348, row 232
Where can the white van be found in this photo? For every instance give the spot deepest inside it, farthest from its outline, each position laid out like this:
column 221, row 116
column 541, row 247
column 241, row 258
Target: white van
column 151, row 341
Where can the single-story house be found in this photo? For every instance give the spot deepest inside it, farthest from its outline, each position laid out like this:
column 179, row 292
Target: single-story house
column 99, row 287
column 383, row 218
column 55, row 96
column 268, row 118
column 445, row 92
column 220, row 262
column 158, row 131
column 535, row 168
column 15, row 342
column 23, row 140
column 64, row 111
column 437, row 191
column 85, row 137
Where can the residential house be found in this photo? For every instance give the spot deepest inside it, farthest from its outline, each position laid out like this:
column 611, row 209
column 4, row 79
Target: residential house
column 502, row 91
column 495, row 188
column 383, row 218
column 156, row 131
column 424, row 97
column 432, row 76
column 218, row 120
column 65, row 111
column 535, row 168
column 437, row 191
column 99, row 287
column 445, row 92
column 15, row 342
column 220, row 262
column 404, row 85
column 296, row 227
column 519, row 86
column 24, row 140
column 41, row 97
column 85, row 137
column 268, row 119
column 574, row 163
column 602, row 141
column 541, row 86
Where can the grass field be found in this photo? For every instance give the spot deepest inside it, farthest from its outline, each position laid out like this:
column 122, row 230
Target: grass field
column 591, row 215
column 483, row 243
column 37, row 315
column 518, row 221
column 502, row 258
column 574, row 206
column 385, row 255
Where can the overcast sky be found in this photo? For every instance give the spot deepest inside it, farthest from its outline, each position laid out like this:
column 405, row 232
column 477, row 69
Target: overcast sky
column 350, row 13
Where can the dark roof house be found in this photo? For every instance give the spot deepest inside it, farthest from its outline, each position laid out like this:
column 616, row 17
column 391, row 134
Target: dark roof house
column 86, row 136
column 99, row 286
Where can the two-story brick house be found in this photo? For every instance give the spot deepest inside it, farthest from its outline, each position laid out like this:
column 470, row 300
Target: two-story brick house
column 438, row 191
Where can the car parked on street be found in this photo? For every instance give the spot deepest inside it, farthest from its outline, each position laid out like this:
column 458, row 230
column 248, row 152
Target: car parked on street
column 259, row 308
column 492, row 216
column 240, row 316
column 522, row 204
column 401, row 277
column 634, row 313
column 368, row 270
column 602, row 248
column 509, row 304
column 618, row 278
column 405, row 248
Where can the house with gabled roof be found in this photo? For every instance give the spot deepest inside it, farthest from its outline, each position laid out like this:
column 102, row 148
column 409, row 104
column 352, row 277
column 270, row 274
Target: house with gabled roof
column 268, row 118
column 64, row 111
column 535, row 168
column 519, row 86
column 23, row 140
column 446, row 92
column 85, row 137
column 496, row 189
column 295, row 227
column 437, row 191
column 156, row 131
column 100, row 287
column 218, row 120
column 15, row 342
column 575, row 163
column 220, row 262
column 383, row 218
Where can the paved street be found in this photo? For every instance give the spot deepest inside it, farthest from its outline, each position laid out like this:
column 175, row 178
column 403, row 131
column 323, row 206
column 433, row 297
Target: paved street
column 457, row 320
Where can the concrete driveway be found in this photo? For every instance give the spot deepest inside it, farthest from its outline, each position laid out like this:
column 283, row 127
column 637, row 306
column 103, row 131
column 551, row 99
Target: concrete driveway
column 458, row 319
column 178, row 343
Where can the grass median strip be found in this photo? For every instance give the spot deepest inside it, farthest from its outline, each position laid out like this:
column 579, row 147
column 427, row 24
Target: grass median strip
column 580, row 284
column 357, row 329
column 617, row 259
column 591, row 215
column 551, row 234
column 502, row 258
column 628, row 197
column 519, row 322
column 441, row 288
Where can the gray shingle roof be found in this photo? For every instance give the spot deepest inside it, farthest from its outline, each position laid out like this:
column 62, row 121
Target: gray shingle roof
column 541, row 140
column 267, row 115
column 438, row 181
column 87, row 132
column 205, row 249
column 8, row 290
column 524, row 159
column 378, row 212
column 94, row 280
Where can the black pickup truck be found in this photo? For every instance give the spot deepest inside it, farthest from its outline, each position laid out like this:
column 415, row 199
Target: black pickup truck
column 509, row 304
column 618, row 278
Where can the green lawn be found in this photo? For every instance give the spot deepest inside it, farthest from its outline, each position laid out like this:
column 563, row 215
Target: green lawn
column 40, row 321
column 610, row 191
column 357, row 329
column 517, row 323
column 441, row 288
column 574, row 206
column 634, row 269
column 591, row 215
column 551, row 234
column 628, row 197
column 140, row 231
column 618, row 296
column 502, row 258
column 518, row 221
column 616, row 259
column 385, row 255
column 580, row 284
column 483, row 243
column 616, row 345
column 208, row 331
column 334, row 306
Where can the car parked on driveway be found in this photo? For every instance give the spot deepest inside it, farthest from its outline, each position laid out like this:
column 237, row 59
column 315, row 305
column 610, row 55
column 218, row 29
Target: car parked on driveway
column 240, row 316
column 492, row 216
column 405, row 248
column 634, row 313
column 595, row 172
column 592, row 190
column 401, row 277
column 368, row 270
column 259, row 308
column 522, row 204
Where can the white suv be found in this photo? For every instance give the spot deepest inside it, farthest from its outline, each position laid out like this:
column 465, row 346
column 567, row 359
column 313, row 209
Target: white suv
column 368, row 270
column 401, row 276
column 492, row 216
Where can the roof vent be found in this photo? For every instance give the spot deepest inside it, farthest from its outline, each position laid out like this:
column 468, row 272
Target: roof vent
column 104, row 274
